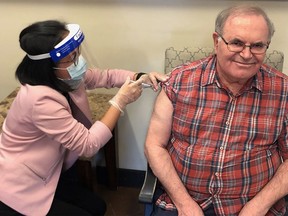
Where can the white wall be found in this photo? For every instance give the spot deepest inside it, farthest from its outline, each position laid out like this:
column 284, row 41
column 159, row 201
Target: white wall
column 128, row 34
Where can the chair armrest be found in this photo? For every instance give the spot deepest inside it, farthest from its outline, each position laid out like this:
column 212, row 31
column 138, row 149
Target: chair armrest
column 147, row 191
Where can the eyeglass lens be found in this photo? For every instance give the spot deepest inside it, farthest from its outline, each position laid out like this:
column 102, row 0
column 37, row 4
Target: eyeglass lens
column 238, row 46
column 74, row 57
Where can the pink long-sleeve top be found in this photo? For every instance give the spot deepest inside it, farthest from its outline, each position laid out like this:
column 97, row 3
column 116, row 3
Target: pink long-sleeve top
column 40, row 137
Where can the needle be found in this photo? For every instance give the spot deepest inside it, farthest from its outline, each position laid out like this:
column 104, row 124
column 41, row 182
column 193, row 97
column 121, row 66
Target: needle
column 144, row 85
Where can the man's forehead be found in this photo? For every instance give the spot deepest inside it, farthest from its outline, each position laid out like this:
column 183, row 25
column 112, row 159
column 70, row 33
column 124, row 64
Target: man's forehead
column 245, row 20
column 245, row 24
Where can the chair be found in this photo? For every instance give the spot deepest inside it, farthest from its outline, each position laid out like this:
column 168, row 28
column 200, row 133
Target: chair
column 174, row 58
column 84, row 165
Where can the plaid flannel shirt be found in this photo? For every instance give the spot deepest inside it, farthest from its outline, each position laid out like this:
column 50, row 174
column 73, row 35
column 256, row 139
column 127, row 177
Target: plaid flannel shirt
column 226, row 147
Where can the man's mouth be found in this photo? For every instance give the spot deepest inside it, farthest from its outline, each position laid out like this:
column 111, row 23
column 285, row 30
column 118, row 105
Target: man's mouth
column 245, row 63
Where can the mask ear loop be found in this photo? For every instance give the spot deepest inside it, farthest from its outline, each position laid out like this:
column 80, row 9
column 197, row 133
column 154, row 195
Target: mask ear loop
column 91, row 60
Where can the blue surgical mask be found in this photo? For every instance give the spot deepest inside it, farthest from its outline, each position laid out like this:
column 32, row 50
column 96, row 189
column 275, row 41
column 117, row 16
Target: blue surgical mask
column 76, row 72
column 75, row 82
column 80, row 68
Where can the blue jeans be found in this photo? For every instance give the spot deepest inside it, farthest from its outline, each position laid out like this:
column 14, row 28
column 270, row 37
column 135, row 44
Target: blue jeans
column 161, row 212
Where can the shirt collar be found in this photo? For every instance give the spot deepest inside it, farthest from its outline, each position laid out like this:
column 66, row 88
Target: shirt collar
column 209, row 75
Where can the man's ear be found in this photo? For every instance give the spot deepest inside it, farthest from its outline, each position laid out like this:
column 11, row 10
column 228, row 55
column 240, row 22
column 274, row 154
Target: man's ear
column 216, row 41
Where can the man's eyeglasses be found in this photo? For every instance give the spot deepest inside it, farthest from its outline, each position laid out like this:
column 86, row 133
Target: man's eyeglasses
column 238, row 46
column 74, row 57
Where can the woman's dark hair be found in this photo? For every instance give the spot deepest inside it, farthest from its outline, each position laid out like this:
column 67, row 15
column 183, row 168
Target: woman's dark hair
column 40, row 38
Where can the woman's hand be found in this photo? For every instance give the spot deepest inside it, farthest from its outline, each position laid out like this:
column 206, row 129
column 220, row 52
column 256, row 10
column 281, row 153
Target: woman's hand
column 153, row 78
column 128, row 93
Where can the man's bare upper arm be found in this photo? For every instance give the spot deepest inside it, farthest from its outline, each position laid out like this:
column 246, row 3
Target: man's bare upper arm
column 161, row 120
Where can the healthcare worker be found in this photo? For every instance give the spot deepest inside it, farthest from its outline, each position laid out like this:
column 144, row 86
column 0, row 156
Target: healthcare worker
column 49, row 123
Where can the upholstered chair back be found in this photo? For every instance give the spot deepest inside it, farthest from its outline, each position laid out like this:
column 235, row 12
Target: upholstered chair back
column 175, row 57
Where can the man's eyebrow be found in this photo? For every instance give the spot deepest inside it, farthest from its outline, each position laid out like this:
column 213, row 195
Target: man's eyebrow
column 240, row 40
column 236, row 38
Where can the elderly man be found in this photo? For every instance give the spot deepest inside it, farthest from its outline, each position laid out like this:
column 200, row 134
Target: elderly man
column 217, row 139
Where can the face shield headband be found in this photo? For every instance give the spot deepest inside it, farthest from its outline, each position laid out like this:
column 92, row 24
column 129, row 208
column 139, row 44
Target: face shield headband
column 66, row 46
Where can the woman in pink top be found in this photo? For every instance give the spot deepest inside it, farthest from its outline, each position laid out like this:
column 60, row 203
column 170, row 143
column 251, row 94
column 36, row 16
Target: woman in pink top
column 49, row 123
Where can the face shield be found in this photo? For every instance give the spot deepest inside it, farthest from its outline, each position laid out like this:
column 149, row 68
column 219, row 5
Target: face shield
column 65, row 47
column 73, row 40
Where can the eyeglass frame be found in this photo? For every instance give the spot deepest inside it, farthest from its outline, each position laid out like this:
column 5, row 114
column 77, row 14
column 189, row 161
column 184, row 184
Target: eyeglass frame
column 244, row 46
column 75, row 57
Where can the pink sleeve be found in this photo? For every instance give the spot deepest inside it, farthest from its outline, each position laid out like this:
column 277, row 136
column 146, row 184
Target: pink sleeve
column 52, row 116
column 96, row 143
column 97, row 78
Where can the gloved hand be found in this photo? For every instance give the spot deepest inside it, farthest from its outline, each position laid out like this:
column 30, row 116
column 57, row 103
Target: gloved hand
column 153, row 78
column 128, row 93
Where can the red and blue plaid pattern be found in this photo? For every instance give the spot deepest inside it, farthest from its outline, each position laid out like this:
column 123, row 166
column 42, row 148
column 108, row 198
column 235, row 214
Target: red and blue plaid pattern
column 226, row 147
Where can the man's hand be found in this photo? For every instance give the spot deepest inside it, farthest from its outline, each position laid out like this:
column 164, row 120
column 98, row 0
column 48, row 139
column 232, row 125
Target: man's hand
column 190, row 209
column 252, row 208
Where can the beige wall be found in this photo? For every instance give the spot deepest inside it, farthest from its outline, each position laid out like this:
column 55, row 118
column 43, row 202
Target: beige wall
column 130, row 34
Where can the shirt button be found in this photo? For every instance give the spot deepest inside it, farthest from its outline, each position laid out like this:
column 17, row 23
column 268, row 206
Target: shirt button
column 216, row 174
column 221, row 148
column 227, row 122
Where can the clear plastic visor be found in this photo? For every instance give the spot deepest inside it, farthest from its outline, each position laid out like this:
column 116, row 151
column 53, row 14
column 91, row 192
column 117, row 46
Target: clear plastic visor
column 69, row 44
column 66, row 46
